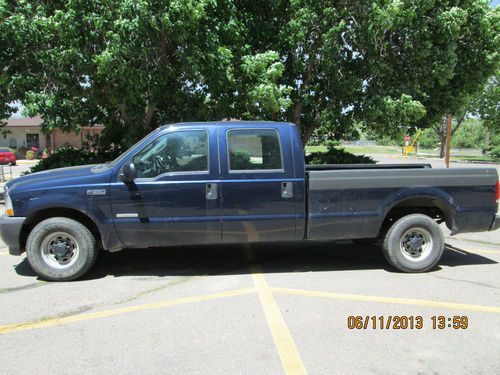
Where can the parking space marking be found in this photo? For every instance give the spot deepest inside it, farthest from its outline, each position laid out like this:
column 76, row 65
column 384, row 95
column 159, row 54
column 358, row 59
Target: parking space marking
column 4, row 253
column 393, row 300
column 289, row 355
column 482, row 251
column 468, row 251
column 124, row 310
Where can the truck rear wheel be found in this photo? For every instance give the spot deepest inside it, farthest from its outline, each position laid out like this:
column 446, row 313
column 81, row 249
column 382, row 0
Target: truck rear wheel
column 414, row 243
column 61, row 249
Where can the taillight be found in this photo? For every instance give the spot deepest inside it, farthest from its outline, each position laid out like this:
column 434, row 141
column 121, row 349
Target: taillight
column 497, row 193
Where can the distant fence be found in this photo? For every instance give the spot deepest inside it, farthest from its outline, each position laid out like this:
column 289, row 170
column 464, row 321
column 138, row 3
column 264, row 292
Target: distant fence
column 359, row 143
column 5, row 173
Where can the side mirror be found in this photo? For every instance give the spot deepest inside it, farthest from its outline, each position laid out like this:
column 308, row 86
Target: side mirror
column 128, row 173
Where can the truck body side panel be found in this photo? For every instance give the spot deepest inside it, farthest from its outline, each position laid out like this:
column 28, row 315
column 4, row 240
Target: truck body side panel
column 346, row 204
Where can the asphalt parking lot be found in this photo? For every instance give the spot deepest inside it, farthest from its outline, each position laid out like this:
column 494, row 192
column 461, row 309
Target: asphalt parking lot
column 259, row 309
column 252, row 310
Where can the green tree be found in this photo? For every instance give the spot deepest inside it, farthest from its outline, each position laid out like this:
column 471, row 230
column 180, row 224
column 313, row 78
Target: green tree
column 487, row 104
column 386, row 64
column 428, row 139
column 130, row 65
column 134, row 64
column 487, row 107
column 483, row 104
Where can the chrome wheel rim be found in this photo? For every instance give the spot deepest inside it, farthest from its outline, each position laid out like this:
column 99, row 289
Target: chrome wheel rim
column 60, row 250
column 416, row 244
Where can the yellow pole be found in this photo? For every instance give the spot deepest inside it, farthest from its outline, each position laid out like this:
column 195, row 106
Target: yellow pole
column 410, row 147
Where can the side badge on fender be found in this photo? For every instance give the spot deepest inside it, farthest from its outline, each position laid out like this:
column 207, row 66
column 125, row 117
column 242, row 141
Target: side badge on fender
column 96, row 192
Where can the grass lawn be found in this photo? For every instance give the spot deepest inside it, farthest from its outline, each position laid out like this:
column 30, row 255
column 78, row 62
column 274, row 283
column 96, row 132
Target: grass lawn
column 472, row 155
column 359, row 150
column 487, row 159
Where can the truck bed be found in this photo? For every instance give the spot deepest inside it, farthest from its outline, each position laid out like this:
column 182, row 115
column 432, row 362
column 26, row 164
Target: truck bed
column 330, row 167
column 346, row 202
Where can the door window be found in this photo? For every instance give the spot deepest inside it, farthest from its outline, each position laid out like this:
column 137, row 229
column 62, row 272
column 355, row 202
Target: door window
column 254, row 150
column 179, row 151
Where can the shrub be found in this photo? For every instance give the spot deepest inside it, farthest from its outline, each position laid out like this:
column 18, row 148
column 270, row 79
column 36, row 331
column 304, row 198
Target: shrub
column 30, row 154
column 494, row 148
column 67, row 156
column 337, row 156
column 429, row 139
column 495, row 152
column 240, row 160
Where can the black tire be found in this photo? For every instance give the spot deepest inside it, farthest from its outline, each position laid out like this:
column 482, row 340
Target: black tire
column 401, row 243
column 365, row 241
column 61, row 234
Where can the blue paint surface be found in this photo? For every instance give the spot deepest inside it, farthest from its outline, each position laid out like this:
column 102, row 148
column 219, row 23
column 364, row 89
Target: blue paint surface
column 173, row 209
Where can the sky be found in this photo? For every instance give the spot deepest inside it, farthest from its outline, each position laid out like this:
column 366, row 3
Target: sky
column 494, row 3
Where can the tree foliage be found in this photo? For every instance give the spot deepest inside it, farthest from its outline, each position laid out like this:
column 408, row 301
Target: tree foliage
column 134, row 64
column 486, row 105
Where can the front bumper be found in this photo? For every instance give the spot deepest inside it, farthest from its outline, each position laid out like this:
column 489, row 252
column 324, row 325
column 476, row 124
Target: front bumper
column 496, row 222
column 10, row 232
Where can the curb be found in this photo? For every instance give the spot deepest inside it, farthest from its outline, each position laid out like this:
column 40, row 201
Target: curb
column 26, row 162
column 435, row 158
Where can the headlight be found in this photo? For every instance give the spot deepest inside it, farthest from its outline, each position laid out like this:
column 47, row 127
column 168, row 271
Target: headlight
column 9, row 210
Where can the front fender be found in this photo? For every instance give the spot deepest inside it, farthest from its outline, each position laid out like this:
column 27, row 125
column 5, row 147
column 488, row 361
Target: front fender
column 28, row 205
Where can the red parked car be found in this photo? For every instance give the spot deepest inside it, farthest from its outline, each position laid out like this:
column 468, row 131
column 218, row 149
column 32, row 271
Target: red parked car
column 7, row 156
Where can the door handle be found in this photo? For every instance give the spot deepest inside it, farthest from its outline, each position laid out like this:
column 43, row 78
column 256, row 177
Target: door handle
column 287, row 190
column 211, row 191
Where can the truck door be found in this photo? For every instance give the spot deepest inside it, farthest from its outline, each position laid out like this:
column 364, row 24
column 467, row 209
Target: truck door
column 175, row 197
column 258, row 184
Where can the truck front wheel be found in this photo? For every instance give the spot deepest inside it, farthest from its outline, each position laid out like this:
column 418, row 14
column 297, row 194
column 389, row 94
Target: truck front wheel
column 365, row 241
column 61, row 249
column 414, row 243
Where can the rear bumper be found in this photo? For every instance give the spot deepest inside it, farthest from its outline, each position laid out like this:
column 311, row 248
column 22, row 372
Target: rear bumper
column 496, row 222
column 10, row 232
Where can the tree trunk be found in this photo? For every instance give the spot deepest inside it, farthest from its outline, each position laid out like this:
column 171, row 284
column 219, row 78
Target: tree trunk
column 306, row 134
column 442, row 146
column 149, row 113
column 486, row 140
column 442, row 134
column 123, row 113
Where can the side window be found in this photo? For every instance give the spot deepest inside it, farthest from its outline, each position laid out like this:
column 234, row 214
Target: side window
column 254, row 149
column 180, row 151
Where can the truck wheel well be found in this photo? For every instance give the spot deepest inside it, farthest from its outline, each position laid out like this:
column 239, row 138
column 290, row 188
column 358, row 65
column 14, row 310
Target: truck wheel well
column 431, row 207
column 69, row 213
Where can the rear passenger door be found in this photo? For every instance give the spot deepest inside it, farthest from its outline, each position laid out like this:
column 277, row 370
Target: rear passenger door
column 258, row 184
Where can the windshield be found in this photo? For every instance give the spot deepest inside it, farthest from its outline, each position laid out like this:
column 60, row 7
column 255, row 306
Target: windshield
column 123, row 156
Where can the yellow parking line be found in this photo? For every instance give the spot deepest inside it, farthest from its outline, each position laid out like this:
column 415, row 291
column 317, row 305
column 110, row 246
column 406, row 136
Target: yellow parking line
column 289, row 355
column 106, row 313
column 379, row 299
column 466, row 251
column 483, row 251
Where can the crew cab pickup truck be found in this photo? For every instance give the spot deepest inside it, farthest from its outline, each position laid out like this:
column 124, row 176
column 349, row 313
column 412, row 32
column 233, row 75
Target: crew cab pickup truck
column 237, row 182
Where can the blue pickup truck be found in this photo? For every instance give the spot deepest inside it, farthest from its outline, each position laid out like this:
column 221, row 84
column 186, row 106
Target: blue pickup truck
column 236, row 182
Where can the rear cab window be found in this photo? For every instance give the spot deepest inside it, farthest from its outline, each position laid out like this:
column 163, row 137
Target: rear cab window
column 256, row 150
